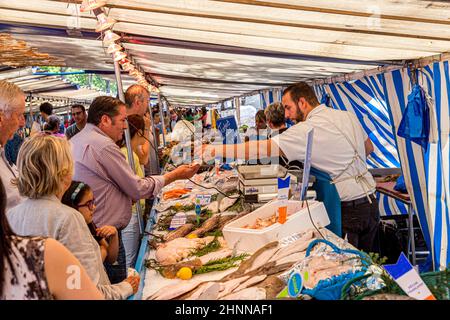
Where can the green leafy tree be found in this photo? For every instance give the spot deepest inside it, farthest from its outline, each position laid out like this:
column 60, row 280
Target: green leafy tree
column 91, row 81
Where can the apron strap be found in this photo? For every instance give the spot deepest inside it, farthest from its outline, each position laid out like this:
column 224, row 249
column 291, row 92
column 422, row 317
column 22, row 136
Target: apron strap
column 360, row 177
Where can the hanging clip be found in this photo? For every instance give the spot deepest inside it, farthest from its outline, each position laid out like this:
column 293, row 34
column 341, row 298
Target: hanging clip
column 412, row 74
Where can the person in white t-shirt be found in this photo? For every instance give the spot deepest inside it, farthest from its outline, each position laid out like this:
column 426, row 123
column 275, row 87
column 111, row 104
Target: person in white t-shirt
column 340, row 147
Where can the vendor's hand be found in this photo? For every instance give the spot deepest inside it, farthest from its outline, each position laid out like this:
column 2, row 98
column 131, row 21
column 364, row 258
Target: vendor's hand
column 106, row 231
column 186, row 171
column 147, row 121
column 134, row 281
column 208, row 152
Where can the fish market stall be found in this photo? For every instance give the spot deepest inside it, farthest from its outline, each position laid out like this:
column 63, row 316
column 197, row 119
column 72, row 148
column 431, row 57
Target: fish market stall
column 203, row 241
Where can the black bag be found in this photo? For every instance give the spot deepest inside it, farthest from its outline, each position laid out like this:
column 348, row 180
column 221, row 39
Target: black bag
column 389, row 241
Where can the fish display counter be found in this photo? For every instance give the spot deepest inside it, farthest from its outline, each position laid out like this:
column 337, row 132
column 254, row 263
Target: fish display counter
column 197, row 245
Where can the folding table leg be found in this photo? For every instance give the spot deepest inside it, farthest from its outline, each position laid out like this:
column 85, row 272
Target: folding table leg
column 412, row 244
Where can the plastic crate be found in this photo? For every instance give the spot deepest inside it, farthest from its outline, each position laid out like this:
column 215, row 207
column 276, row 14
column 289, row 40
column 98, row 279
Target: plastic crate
column 250, row 240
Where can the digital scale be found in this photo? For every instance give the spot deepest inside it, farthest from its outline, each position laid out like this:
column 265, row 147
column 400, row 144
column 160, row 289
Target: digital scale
column 259, row 183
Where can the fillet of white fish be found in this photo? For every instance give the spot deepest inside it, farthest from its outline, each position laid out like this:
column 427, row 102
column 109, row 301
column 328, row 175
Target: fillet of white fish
column 206, row 291
column 226, row 203
column 175, row 290
column 250, row 282
column 178, row 249
column 253, row 293
column 221, row 254
column 228, row 286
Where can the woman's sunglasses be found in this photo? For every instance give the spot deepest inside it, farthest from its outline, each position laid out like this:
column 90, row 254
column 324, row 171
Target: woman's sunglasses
column 90, row 204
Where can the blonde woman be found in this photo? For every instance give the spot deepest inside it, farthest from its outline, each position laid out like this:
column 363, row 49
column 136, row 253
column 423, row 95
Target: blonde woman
column 45, row 168
column 36, row 268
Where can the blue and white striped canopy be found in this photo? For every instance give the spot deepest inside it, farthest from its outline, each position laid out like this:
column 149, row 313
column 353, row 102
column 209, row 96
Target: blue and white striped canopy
column 379, row 103
column 366, row 99
column 270, row 96
column 427, row 173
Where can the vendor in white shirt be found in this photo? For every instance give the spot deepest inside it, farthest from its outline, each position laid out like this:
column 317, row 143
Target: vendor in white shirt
column 340, row 147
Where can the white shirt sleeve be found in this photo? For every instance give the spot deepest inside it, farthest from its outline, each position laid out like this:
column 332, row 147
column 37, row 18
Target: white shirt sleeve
column 292, row 142
column 75, row 235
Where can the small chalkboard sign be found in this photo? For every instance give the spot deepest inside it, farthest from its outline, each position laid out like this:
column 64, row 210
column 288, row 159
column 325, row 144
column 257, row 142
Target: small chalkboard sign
column 227, row 126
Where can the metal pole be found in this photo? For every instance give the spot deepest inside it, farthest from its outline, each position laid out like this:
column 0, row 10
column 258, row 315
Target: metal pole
column 161, row 115
column 30, row 117
column 237, row 104
column 128, row 141
column 31, row 104
column 267, row 98
column 155, row 142
column 153, row 125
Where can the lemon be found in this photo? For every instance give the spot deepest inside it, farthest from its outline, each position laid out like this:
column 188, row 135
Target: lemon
column 192, row 236
column 184, row 273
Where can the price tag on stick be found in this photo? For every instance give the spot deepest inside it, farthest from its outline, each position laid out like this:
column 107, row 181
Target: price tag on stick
column 408, row 279
column 295, row 285
column 307, row 165
column 201, row 200
column 283, row 195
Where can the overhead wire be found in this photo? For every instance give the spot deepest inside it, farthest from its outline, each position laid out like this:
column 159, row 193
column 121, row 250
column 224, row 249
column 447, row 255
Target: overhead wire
column 218, row 190
column 305, row 200
column 143, row 136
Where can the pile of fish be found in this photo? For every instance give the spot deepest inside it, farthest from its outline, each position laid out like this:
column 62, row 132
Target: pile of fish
column 325, row 265
column 175, row 193
column 170, row 267
column 256, row 278
column 179, row 248
column 198, row 245
column 321, row 269
column 183, row 192
column 262, row 223
column 214, row 223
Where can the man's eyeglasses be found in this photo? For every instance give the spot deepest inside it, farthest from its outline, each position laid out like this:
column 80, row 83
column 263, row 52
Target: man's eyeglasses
column 90, row 204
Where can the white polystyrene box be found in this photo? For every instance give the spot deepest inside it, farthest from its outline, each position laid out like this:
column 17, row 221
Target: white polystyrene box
column 250, row 240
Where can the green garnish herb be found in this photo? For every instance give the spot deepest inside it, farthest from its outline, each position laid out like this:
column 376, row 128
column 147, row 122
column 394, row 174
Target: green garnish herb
column 221, row 264
column 210, row 247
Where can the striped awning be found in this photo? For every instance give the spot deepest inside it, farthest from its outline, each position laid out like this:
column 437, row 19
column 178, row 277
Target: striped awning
column 379, row 101
column 427, row 173
column 204, row 51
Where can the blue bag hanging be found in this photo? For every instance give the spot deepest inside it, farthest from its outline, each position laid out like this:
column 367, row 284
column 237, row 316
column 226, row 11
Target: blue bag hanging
column 400, row 185
column 325, row 100
column 415, row 124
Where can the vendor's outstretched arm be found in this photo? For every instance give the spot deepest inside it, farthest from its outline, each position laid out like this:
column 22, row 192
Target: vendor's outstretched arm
column 245, row 151
column 368, row 146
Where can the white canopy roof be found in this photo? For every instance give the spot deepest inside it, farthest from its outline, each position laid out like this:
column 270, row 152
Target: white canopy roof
column 204, row 51
column 53, row 89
